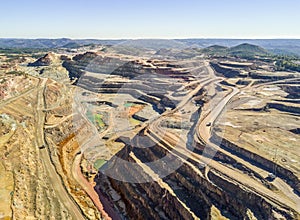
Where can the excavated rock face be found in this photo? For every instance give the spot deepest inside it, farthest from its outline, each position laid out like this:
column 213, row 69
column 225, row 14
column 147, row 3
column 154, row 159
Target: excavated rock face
column 188, row 195
column 292, row 90
column 149, row 200
column 86, row 56
column 43, row 61
column 95, row 63
column 233, row 186
column 227, row 72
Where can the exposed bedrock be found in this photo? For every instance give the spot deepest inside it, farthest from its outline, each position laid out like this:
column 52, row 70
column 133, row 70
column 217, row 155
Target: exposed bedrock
column 284, row 108
column 260, row 161
column 95, row 63
column 92, row 62
column 188, row 194
column 141, row 200
column 261, row 208
column 139, row 118
column 295, row 131
column 273, row 77
column 43, row 61
column 74, row 71
column 227, row 72
column 292, row 90
column 239, row 65
column 157, row 98
column 206, row 151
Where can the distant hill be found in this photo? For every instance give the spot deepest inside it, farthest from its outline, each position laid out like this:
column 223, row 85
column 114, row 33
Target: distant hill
column 33, row 43
column 51, row 43
column 215, row 49
column 247, row 49
column 277, row 46
column 71, row 45
column 242, row 50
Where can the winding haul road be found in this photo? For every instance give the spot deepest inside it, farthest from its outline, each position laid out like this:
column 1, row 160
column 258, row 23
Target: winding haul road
column 54, row 177
column 203, row 133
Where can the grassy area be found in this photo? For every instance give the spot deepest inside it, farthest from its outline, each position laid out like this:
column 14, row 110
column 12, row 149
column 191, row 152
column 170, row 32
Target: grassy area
column 99, row 163
column 99, row 121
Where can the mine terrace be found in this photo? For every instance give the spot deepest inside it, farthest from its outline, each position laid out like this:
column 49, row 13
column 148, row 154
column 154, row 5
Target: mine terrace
column 103, row 132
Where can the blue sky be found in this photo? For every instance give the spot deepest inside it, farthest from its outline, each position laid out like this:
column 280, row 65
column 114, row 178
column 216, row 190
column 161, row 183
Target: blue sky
column 150, row 19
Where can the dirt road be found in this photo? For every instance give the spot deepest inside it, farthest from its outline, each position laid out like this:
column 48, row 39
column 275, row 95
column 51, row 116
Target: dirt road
column 54, row 177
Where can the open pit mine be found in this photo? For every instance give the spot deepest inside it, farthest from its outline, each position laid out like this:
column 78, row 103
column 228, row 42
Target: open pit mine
column 99, row 133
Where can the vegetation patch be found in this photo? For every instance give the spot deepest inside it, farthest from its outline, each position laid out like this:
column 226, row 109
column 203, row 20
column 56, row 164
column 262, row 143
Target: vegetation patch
column 99, row 163
column 96, row 119
column 287, row 64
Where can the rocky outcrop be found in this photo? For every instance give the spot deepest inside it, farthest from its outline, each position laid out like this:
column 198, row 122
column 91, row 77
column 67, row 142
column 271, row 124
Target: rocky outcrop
column 44, row 61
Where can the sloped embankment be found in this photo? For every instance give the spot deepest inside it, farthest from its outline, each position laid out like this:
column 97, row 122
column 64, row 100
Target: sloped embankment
column 183, row 194
column 266, row 164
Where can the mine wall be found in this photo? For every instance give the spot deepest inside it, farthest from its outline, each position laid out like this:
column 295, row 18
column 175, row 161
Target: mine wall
column 293, row 91
column 235, row 65
column 227, row 72
column 294, row 101
column 295, row 131
column 155, row 97
column 258, row 160
column 192, row 194
column 142, row 200
column 284, row 108
column 261, row 208
column 74, row 72
column 216, row 155
column 196, row 193
column 139, row 118
column 274, row 77
column 115, row 66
